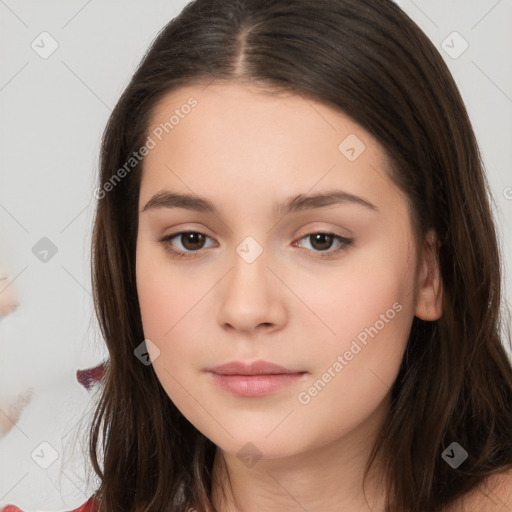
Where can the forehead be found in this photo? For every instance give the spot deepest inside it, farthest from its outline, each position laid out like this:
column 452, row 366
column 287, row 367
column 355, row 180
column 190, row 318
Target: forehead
column 210, row 137
column 229, row 104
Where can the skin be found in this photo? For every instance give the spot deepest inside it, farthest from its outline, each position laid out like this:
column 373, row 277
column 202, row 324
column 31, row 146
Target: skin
column 245, row 150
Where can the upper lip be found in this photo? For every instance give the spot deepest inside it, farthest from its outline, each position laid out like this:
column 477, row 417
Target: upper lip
column 259, row 367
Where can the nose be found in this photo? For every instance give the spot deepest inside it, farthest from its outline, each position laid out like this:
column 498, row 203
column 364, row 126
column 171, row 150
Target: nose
column 252, row 298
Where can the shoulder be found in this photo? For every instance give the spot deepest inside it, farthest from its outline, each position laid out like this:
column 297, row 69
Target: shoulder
column 91, row 505
column 498, row 491
column 493, row 495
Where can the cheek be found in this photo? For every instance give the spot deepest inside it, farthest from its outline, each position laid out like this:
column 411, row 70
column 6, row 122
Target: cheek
column 368, row 308
column 353, row 374
column 166, row 320
column 368, row 287
column 167, row 301
column 170, row 306
column 165, row 293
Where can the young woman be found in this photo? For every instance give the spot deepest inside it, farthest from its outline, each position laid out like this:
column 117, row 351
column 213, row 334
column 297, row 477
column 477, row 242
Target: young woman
column 296, row 272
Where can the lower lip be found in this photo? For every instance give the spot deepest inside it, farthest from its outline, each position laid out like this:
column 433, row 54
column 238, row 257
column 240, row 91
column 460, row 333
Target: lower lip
column 255, row 385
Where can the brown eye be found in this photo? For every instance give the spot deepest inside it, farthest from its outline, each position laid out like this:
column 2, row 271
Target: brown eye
column 322, row 242
column 192, row 240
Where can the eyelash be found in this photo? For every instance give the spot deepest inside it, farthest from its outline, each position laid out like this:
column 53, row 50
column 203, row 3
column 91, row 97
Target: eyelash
column 166, row 242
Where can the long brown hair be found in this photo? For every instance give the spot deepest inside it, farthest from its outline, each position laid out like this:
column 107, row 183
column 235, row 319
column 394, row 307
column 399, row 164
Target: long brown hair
column 371, row 61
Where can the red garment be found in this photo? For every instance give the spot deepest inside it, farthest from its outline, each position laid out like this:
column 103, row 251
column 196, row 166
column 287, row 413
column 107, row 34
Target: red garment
column 89, row 506
column 90, row 376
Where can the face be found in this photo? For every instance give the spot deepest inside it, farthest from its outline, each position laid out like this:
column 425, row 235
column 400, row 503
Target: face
column 325, row 289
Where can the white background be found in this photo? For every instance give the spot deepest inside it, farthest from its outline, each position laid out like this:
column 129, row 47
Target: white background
column 53, row 112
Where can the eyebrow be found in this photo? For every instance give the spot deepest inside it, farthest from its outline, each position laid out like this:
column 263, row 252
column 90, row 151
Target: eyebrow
column 169, row 199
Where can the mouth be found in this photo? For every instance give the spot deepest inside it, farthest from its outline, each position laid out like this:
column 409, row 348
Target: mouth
column 254, row 379
column 258, row 367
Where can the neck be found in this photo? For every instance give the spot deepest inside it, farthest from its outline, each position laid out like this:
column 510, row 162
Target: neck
column 327, row 477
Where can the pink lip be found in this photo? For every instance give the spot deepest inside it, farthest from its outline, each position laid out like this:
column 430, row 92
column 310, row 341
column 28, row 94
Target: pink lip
column 253, row 379
column 258, row 367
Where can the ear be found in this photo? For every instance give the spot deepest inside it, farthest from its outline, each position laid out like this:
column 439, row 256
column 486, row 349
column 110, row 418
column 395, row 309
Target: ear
column 429, row 286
